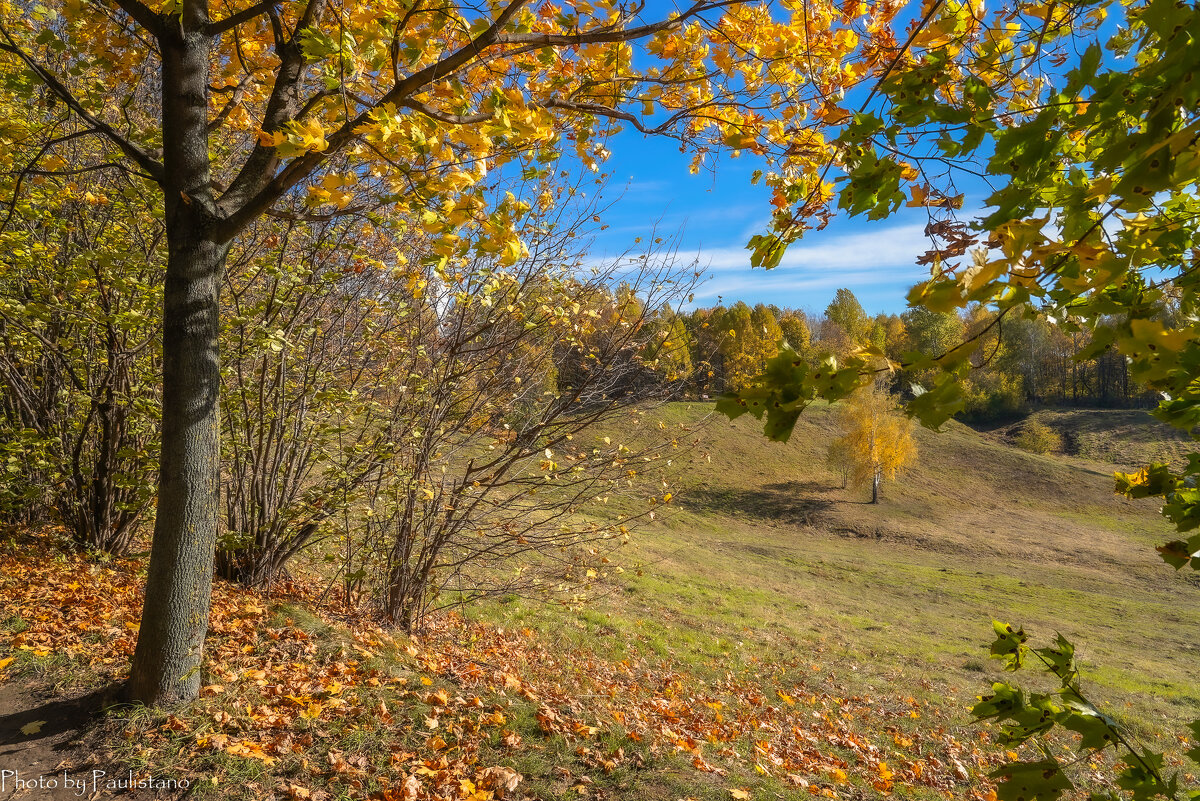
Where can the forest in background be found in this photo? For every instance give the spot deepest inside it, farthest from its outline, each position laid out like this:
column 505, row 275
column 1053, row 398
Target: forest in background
column 1021, row 364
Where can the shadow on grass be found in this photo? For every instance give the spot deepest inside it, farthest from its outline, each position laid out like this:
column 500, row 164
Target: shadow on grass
column 792, row 502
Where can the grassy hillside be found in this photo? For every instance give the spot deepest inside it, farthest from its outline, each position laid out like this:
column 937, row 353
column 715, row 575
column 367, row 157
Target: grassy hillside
column 772, row 636
column 766, row 555
column 1127, row 438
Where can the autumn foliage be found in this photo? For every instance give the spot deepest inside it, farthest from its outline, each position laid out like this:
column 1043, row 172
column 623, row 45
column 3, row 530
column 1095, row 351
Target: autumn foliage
column 309, row 705
column 876, row 442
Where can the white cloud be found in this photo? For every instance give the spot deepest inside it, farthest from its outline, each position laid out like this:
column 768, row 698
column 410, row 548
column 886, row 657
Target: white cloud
column 877, row 265
column 897, row 246
column 791, row 284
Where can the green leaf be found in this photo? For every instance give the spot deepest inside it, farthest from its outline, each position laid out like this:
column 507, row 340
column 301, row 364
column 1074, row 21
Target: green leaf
column 1144, row 781
column 766, row 251
column 1194, row 752
column 935, row 405
column 1060, row 658
column 1175, row 553
column 1097, row 730
column 1009, row 644
column 1027, row 781
column 1004, row 702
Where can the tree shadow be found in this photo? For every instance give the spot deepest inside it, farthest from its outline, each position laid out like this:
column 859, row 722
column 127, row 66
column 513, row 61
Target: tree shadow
column 803, row 503
column 56, row 717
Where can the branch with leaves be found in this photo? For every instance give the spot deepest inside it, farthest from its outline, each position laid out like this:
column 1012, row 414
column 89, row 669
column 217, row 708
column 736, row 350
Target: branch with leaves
column 1035, row 716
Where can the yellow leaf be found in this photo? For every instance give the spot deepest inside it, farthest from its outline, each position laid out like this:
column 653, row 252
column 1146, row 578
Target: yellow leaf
column 740, row 794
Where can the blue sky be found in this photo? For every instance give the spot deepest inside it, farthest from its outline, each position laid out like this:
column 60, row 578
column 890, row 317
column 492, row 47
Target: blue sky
column 715, row 213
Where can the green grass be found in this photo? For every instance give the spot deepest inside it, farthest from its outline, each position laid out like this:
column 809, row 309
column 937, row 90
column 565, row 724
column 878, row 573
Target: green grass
column 765, row 554
column 765, row 568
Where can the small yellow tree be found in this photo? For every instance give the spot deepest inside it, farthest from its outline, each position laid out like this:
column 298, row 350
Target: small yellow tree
column 876, row 441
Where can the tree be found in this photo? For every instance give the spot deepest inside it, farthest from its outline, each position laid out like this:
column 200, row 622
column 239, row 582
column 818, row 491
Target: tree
column 670, row 350
column 749, row 338
column 840, row 459
column 478, row 502
column 796, row 333
column 315, row 334
column 737, row 345
column 847, row 313
column 876, row 439
column 1086, row 127
column 705, row 327
column 767, row 332
column 307, row 109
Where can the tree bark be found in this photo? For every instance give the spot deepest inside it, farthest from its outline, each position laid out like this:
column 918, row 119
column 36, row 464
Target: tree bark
column 166, row 663
column 875, row 481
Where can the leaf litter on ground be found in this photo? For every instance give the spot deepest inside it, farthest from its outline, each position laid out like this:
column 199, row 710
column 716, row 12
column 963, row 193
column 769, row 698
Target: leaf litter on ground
column 355, row 711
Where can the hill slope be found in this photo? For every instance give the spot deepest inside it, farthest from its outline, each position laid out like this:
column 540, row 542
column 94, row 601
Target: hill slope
column 766, row 554
column 773, row 637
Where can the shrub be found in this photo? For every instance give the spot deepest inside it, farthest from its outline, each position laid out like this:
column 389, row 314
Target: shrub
column 1038, row 437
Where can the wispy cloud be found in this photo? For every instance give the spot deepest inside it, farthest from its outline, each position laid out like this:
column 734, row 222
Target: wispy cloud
column 888, row 247
column 874, row 264
column 877, row 265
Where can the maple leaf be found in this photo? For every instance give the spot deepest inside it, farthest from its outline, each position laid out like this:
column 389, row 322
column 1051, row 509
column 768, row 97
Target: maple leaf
column 500, row 780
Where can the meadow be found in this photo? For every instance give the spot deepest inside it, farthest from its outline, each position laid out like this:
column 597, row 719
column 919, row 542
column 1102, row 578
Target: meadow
column 771, row 635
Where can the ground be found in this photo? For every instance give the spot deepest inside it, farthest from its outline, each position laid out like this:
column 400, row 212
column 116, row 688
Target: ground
column 53, row 747
column 773, row 635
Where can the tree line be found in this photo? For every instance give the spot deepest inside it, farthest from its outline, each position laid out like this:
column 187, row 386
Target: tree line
column 1020, row 363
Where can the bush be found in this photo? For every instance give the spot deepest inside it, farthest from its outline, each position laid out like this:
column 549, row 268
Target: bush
column 990, row 396
column 1038, row 437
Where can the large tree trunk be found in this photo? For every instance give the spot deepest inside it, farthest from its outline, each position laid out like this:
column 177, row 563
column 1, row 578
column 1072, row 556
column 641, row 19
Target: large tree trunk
column 166, row 664
column 875, row 482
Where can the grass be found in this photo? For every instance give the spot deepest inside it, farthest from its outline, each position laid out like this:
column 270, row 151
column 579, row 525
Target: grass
column 766, row 554
column 766, row 593
column 1126, row 438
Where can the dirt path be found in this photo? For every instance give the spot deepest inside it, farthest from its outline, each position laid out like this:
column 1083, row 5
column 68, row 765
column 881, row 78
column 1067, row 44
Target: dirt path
column 50, row 750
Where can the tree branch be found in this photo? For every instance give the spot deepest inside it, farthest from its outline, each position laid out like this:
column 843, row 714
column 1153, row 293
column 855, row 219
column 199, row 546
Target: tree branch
column 301, row 167
column 245, row 15
column 142, row 15
column 401, row 93
column 449, row 119
column 283, row 105
column 143, row 159
column 297, row 216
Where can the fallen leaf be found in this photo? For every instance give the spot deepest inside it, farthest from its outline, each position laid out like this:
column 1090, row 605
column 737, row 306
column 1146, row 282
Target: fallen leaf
column 33, row 728
column 500, row 780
